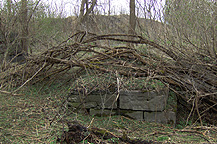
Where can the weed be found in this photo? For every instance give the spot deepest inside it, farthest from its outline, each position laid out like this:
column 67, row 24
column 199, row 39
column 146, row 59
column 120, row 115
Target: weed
column 162, row 138
column 113, row 140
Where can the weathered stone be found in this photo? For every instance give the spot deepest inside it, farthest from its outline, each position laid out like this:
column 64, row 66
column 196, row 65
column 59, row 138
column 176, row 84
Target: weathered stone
column 138, row 115
column 135, row 104
column 147, row 101
column 88, row 105
column 165, row 117
column 102, row 112
column 97, row 101
column 73, row 104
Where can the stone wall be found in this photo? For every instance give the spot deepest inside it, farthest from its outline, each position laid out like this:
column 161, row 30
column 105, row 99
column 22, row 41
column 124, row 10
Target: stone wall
column 151, row 106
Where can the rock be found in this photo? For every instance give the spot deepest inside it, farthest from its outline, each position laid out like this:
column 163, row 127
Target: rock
column 147, row 101
column 138, row 115
column 96, row 101
column 151, row 106
column 102, row 112
column 165, row 117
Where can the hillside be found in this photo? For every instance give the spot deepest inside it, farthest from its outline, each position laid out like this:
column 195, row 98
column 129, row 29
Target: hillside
column 102, row 24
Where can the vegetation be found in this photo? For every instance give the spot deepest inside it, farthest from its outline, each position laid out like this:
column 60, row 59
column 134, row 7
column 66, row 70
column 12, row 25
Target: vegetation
column 46, row 56
column 29, row 118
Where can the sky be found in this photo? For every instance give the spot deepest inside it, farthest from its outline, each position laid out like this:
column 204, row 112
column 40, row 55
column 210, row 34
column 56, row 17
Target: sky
column 71, row 7
column 144, row 8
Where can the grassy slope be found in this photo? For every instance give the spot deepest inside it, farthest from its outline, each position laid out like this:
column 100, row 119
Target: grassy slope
column 26, row 119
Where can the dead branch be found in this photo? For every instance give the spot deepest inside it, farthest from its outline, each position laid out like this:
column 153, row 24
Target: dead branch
column 187, row 71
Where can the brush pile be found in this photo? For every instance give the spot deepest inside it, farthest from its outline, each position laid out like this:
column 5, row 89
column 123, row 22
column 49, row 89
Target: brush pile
column 192, row 76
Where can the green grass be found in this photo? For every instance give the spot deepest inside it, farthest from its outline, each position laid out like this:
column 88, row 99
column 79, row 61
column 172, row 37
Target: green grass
column 27, row 118
column 109, row 81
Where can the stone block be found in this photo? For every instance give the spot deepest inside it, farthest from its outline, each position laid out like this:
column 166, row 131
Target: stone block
column 138, row 115
column 147, row 101
column 89, row 105
column 73, row 104
column 151, row 106
column 165, row 117
column 102, row 112
column 96, row 101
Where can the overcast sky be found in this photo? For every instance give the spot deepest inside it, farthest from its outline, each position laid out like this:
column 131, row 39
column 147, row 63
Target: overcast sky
column 71, row 7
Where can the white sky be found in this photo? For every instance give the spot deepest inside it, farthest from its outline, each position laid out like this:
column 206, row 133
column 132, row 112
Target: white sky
column 71, row 7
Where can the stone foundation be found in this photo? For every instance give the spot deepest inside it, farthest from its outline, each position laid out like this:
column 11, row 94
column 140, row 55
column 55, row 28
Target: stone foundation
column 151, row 106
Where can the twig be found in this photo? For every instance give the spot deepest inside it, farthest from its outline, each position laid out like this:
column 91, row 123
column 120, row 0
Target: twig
column 9, row 93
column 90, row 123
column 30, row 78
column 195, row 131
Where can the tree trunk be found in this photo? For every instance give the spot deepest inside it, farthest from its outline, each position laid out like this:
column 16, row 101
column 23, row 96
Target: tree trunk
column 24, row 26
column 213, row 48
column 109, row 9
column 83, row 16
column 9, row 16
column 132, row 21
column 9, row 7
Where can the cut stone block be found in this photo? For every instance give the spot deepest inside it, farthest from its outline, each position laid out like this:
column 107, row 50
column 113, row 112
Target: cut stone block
column 165, row 117
column 89, row 105
column 73, row 105
column 147, row 101
column 138, row 115
column 102, row 112
column 151, row 106
column 96, row 101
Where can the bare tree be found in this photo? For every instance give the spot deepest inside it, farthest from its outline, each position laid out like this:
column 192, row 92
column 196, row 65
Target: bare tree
column 84, row 12
column 8, row 27
column 9, row 7
column 24, row 26
column 132, row 20
column 194, row 24
column 213, row 48
column 109, row 9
